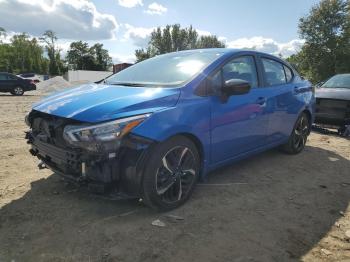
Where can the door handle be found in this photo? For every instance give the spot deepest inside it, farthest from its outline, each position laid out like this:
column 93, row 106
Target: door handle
column 261, row 100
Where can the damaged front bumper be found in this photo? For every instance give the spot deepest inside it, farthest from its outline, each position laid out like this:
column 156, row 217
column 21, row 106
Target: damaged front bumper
column 332, row 113
column 102, row 172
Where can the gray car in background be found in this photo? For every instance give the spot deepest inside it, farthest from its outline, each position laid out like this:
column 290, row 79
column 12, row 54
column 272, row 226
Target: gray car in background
column 333, row 103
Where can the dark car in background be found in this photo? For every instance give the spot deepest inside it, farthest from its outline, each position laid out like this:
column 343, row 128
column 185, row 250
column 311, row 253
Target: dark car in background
column 333, row 102
column 15, row 85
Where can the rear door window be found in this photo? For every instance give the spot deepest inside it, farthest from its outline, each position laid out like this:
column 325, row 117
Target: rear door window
column 274, row 72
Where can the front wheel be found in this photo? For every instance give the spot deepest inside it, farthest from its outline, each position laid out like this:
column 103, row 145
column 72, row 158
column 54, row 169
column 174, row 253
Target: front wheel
column 17, row 91
column 298, row 137
column 171, row 174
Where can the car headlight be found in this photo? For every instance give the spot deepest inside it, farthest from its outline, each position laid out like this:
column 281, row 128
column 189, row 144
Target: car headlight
column 101, row 133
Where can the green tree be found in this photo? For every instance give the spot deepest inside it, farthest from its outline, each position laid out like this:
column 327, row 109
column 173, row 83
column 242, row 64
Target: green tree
column 2, row 33
column 173, row 38
column 56, row 66
column 209, row 42
column 77, row 55
column 26, row 55
column 82, row 57
column 102, row 60
column 22, row 54
column 6, row 52
column 327, row 40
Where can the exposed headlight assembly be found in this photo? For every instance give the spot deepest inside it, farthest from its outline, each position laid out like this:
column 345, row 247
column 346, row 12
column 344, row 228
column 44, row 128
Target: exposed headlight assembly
column 92, row 136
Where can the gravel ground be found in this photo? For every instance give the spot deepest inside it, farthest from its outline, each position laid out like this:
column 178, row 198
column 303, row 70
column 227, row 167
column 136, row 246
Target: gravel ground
column 271, row 207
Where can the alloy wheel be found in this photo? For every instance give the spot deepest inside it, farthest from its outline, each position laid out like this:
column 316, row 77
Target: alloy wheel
column 176, row 174
column 301, row 132
column 18, row 90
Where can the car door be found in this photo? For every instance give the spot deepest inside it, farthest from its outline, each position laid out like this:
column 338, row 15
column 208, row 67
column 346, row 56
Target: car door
column 13, row 81
column 3, row 82
column 282, row 103
column 239, row 124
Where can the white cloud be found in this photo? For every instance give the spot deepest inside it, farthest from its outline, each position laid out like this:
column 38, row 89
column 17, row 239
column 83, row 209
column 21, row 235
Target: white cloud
column 156, row 9
column 69, row 19
column 267, row 45
column 130, row 3
column 291, row 47
column 7, row 37
column 140, row 36
column 122, row 58
column 203, row 32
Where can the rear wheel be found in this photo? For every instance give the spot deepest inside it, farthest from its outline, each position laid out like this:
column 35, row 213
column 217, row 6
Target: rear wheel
column 298, row 137
column 17, row 91
column 171, row 174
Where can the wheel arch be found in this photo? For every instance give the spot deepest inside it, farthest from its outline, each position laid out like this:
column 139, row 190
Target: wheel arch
column 309, row 116
column 132, row 174
column 198, row 145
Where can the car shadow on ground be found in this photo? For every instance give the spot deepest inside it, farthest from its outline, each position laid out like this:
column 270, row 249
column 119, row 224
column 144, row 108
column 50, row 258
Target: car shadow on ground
column 10, row 95
column 271, row 207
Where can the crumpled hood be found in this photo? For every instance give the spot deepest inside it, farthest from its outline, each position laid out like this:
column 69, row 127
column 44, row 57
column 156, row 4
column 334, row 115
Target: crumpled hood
column 333, row 93
column 95, row 103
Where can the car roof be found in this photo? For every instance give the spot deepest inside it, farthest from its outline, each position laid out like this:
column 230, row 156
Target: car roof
column 6, row 73
column 346, row 74
column 230, row 51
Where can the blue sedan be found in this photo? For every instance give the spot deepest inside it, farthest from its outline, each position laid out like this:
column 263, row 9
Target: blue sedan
column 152, row 130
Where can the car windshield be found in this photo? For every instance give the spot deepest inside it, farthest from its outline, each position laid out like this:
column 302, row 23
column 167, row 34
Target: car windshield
column 165, row 70
column 338, row 81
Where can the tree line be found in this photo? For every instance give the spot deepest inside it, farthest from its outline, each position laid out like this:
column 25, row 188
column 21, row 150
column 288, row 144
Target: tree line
column 43, row 55
column 326, row 51
column 173, row 38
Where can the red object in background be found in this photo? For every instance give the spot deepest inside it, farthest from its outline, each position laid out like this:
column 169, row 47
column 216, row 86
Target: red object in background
column 119, row 67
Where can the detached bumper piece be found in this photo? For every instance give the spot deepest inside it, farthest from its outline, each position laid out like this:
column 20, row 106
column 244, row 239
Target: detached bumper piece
column 332, row 112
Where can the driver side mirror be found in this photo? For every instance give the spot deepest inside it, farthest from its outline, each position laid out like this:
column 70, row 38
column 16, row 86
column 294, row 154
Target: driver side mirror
column 233, row 87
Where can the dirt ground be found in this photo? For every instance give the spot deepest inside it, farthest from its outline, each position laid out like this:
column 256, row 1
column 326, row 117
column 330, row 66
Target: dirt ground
column 271, row 207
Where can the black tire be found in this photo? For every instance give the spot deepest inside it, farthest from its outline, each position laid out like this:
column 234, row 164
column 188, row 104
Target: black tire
column 171, row 174
column 298, row 137
column 17, row 91
column 341, row 130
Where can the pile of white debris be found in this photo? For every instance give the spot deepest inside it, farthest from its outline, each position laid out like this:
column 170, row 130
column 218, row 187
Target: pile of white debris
column 52, row 85
column 55, row 84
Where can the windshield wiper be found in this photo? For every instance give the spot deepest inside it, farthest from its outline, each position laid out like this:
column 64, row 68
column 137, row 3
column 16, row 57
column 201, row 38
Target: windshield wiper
column 124, row 84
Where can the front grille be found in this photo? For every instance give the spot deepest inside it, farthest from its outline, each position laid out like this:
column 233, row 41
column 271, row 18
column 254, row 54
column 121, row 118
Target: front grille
column 49, row 129
column 65, row 160
column 49, row 145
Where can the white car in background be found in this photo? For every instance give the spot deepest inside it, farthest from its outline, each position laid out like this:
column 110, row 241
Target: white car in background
column 32, row 76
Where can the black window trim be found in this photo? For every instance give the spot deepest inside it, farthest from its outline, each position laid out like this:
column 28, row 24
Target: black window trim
column 284, row 68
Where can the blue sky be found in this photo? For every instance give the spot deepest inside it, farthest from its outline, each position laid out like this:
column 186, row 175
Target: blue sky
column 124, row 25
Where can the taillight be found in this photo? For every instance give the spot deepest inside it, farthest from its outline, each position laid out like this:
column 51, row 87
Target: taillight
column 32, row 82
